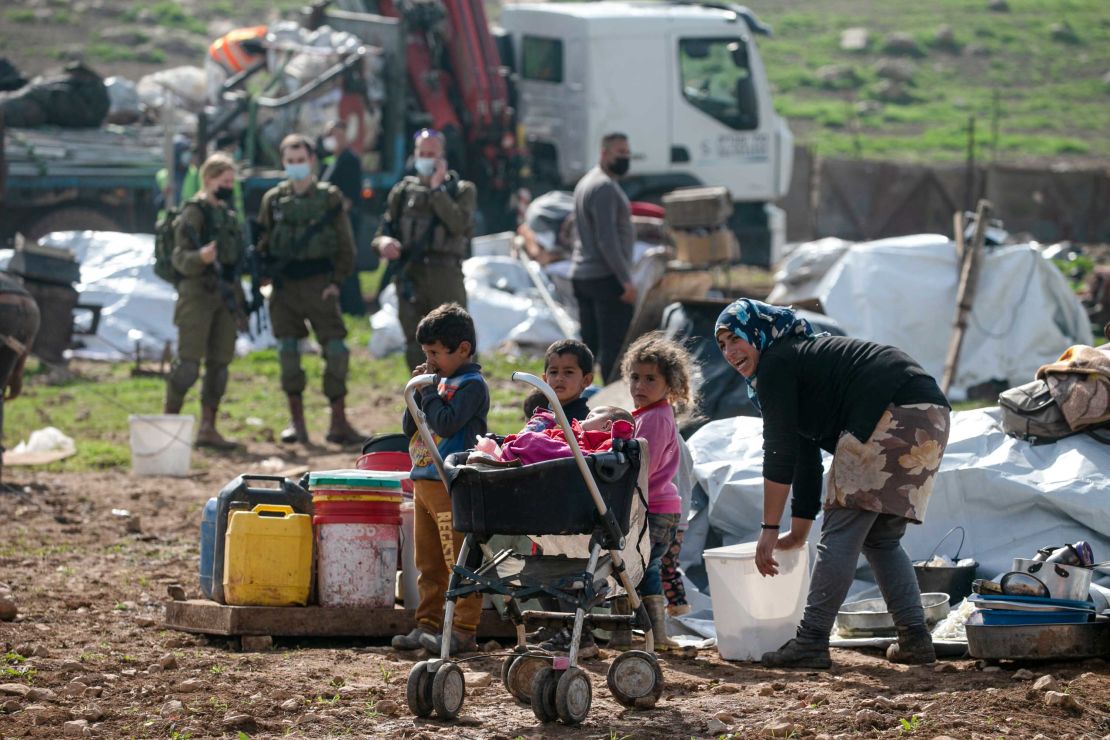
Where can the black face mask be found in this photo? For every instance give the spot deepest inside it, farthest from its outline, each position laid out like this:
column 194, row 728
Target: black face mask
column 224, row 194
column 619, row 166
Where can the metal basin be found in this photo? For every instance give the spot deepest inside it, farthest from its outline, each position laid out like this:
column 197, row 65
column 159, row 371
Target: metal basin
column 1064, row 581
column 1039, row 641
column 870, row 617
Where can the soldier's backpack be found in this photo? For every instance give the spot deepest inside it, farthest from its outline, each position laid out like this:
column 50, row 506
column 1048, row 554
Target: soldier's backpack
column 163, row 243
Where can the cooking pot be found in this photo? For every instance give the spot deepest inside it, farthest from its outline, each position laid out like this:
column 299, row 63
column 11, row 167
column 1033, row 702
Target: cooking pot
column 1063, row 581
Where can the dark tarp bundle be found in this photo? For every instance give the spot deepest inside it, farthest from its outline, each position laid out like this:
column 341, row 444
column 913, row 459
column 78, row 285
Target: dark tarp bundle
column 10, row 76
column 75, row 98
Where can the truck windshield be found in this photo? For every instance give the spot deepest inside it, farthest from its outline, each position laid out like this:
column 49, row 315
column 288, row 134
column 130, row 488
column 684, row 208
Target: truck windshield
column 717, row 80
column 542, row 59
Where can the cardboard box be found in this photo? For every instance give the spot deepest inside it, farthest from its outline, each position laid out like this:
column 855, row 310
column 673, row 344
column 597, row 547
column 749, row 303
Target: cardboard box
column 706, row 247
column 692, row 208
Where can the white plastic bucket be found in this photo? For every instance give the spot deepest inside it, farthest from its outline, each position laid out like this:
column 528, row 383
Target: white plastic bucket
column 753, row 614
column 356, row 564
column 409, row 595
column 161, row 444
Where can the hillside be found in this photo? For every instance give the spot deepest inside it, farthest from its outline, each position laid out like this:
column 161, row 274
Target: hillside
column 1036, row 76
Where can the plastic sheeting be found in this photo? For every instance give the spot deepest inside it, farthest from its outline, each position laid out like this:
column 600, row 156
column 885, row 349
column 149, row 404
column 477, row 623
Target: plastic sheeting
column 902, row 292
column 117, row 272
column 1009, row 496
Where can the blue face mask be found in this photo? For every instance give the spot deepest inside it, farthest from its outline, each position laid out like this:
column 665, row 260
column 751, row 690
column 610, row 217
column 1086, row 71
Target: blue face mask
column 297, row 171
column 425, row 166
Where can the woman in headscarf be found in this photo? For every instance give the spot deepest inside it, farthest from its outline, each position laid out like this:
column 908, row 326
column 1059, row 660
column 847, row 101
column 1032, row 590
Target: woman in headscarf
column 886, row 423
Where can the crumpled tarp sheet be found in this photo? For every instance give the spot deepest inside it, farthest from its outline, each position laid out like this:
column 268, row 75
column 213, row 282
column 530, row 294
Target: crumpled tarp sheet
column 1010, row 497
column 902, row 291
column 117, row 272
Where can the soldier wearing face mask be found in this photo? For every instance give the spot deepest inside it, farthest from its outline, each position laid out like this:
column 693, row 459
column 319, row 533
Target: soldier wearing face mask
column 307, row 241
column 601, row 270
column 208, row 248
column 425, row 234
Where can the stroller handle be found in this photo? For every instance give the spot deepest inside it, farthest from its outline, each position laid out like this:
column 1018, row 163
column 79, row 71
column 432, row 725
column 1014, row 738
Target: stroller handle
column 418, row 382
column 560, row 416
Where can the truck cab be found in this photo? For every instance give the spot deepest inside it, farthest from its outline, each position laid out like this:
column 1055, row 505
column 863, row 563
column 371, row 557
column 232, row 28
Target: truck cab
column 684, row 81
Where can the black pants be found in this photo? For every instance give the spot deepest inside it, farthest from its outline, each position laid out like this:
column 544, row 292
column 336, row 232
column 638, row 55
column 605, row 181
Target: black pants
column 605, row 319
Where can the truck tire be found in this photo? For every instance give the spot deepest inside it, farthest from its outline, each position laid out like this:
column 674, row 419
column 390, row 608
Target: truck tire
column 69, row 218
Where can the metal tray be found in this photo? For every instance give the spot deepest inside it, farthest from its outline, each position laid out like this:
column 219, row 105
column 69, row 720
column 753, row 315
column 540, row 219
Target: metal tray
column 870, row 617
column 1039, row 641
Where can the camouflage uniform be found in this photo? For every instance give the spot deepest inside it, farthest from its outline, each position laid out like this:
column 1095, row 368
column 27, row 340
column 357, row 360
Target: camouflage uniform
column 434, row 228
column 206, row 321
column 303, row 266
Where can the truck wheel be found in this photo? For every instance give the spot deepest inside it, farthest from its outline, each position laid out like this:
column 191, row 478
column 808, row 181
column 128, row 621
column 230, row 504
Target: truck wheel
column 73, row 218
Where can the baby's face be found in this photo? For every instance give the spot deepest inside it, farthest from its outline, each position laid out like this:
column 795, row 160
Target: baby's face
column 597, row 422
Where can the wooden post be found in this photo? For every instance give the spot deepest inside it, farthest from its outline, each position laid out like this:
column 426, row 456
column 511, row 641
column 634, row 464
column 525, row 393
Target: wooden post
column 965, row 293
column 958, row 227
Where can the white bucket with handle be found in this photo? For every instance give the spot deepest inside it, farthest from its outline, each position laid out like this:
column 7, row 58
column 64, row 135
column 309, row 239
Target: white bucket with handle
column 161, row 444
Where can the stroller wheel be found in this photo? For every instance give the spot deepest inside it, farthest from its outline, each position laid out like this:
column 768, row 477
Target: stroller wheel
column 419, row 690
column 448, row 691
column 506, row 668
column 573, row 695
column 521, row 674
column 544, row 685
column 635, row 678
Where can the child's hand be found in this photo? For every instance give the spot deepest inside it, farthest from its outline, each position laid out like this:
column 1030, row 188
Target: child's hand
column 422, row 369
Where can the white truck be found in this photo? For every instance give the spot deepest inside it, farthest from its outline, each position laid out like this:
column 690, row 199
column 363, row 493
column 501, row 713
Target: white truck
column 684, row 81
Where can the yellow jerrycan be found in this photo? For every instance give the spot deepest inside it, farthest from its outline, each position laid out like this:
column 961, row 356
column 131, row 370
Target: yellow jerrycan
column 268, row 557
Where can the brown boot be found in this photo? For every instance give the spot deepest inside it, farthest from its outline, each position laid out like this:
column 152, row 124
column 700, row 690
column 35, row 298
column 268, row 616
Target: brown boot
column 296, row 431
column 207, row 436
column 656, row 608
column 341, row 432
column 914, row 647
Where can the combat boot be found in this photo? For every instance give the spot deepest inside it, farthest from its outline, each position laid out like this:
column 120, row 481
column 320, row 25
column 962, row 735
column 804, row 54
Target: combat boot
column 799, row 653
column 207, row 436
column 341, row 432
column 620, row 636
column 296, row 431
column 914, row 647
column 656, row 609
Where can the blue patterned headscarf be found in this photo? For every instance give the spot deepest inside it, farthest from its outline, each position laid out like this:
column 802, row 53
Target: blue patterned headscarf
column 761, row 325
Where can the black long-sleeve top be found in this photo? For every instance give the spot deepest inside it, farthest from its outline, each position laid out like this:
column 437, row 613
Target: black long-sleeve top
column 813, row 389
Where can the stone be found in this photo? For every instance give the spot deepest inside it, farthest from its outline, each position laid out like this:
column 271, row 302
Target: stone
column 257, row 643
column 468, row 720
column 1022, row 675
column 477, row 680
column 74, row 688
column 899, row 70
column 237, row 721
column 725, row 717
column 998, row 6
column 14, row 689
column 725, row 688
column 766, row 690
column 146, row 621
column 838, row 77
column 1106, row 81
column 1044, row 683
column 779, row 686
column 290, row 705
column 902, row 45
column 1062, row 700
column 129, row 672
column 1063, row 32
column 92, row 713
column 991, row 669
column 168, row 662
column 945, row 38
column 889, row 91
column 943, row 737
column 189, row 686
column 388, row 707
column 172, row 709
column 76, row 728
column 124, row 36
column 41, row 651
column 94, row 692
column 855, row 39
column 37, row 694
column 69, row 666
column 134, row 524
column 154, row 668
column 8, row 609
column 176, row 592
column 870, row 718
column 11, row 706
column 645, row 702
column 493, row 646
column 715, row 727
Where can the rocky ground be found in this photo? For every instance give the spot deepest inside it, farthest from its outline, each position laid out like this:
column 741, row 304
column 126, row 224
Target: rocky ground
column 88, row 653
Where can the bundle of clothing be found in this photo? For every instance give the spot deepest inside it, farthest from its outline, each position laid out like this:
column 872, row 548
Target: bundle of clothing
column 542, row 439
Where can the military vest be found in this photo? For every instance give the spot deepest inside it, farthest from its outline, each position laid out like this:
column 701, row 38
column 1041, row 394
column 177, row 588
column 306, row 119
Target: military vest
column 220, row 226
column 419, row 228
column 291, row 218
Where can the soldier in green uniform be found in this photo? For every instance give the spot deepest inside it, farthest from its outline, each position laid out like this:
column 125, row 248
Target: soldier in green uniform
column 306, row 239
column 207, row 253
column 425, row 232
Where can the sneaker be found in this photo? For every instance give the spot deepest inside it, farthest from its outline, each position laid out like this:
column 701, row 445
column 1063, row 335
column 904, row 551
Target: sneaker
column 560, row 643
column 460, row 643
column 914, row 647
column 795, row 654
column 411, row 641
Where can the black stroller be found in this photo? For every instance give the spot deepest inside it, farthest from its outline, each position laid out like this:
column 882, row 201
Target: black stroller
column 584, row 495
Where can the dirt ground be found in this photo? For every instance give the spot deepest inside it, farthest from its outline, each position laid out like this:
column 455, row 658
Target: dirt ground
column 89, row 646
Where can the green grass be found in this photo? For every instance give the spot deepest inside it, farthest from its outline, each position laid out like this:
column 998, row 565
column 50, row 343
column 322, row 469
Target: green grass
column 108, row 52
column 1051, row 101
column 94, row 409
column 169, row 15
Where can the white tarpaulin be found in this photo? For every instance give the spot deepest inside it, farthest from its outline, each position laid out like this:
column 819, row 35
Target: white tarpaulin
column 902, row 292
column 1011, row 497
column 117, row 272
